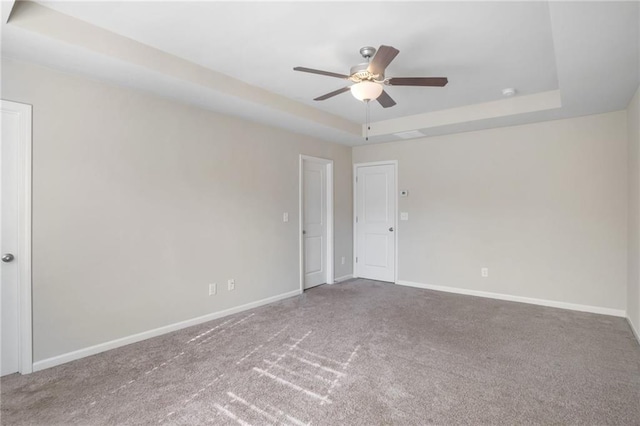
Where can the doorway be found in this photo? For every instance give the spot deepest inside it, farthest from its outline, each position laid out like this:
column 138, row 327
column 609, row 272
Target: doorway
column 15, row 238
column 316, row 221
column 375, row 227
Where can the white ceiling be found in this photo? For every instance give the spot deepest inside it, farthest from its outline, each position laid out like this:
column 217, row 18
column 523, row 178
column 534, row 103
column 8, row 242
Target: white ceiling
column 585, row 55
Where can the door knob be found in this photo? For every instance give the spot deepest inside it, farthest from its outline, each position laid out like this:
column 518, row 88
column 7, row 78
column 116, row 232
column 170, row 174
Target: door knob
column 8, row 257
column 391, row 229
column 304, row 232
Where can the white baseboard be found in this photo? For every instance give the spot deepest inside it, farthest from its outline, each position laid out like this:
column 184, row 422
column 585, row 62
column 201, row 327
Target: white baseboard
column 342, row 278
column 635, row 331
column 92, row 350
column 532, row 301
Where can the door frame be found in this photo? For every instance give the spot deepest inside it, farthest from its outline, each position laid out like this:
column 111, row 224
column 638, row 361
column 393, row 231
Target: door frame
column 393, row 163
column 329, row 213
column 24, row 172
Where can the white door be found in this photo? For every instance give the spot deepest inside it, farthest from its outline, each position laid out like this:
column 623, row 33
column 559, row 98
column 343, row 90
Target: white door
column 9, row 297
column 375, row 222
column 314, row 222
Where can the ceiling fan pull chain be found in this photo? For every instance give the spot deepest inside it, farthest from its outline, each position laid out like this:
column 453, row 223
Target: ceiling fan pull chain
column 367, row 120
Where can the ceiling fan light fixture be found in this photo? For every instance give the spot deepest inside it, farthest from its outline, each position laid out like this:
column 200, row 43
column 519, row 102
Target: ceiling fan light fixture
column 366, row 91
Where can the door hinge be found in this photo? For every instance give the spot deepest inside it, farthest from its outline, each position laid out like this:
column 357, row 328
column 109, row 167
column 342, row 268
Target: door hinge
column 356, row 179
column 356, row 219
column 356, row 260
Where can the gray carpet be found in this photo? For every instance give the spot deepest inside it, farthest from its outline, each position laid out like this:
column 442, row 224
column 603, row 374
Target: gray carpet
column 360, row 352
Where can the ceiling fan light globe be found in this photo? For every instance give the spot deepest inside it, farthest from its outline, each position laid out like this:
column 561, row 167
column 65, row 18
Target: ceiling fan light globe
column 366, row 91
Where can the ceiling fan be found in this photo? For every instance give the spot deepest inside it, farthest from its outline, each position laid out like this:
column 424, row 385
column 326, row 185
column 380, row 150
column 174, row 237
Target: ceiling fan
column 369, row 77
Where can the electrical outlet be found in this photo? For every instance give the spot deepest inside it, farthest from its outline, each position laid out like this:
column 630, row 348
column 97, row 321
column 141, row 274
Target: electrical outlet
column 231, row 284
column 213, row 289
column 343, row 260
column 484, row 272
column 285, row 217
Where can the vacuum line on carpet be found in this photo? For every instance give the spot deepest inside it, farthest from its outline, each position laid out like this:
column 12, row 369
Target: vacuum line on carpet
column 296, row 344
column 292, row 385
column 342, row 364
column 257, row 348
column 277, row 334
column 294, row 373
column 225, row 329
column 192, row 397
column 353, row 354
column 130, row 382
column 241, row 321
column 231, row 415
column 314, row 364
column 289, row 417
column 209, row 331
column 252, row 407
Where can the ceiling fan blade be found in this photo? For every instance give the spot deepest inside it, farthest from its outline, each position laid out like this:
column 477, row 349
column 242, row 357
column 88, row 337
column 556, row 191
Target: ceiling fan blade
column 382, row 59
column 332, row 94
column 327, row 73
column 385, row 100
column 418, row 81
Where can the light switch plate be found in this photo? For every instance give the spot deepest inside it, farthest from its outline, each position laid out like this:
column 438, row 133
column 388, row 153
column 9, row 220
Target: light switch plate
column 285, row 217
column 404, row 216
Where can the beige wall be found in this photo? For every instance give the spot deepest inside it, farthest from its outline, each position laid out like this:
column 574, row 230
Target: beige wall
column 139, row 203
column 543, row 206
column 633, row 123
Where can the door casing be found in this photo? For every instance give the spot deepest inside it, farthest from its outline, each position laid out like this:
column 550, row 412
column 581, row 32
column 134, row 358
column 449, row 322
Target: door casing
column 328, row 206
column 394, row 163
column 23, row 252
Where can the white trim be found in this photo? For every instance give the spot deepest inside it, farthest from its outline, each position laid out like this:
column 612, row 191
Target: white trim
column 6, row 9
column 23, row 254
column 542, row 101
column 395, row 226
column 102, row 347
column 300, row 240
column 24, row 229
column 342, row 278
column 330, row 248
column 521, row 299
column 633, row 329
column 354, row 263
column 329, row 211
column 394, row 163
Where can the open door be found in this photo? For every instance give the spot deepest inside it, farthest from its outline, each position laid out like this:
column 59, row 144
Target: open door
column 316, row 217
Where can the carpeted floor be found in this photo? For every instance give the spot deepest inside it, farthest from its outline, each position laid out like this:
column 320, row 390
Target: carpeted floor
column 360, row 352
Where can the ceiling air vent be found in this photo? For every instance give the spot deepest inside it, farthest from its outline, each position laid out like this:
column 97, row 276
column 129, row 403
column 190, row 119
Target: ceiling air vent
column 412, row 134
